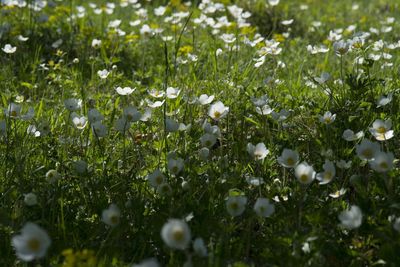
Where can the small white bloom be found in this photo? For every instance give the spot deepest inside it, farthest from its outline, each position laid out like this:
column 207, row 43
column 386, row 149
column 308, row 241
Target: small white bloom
column 204, row 152
column 273, row 2
column 156, row 93
column 103, row 74
column 352, row 218
column 349, row 135
column 304, row 173
column 367, row 150
column 111, row 216
column 381, row 130
column 327, row 118
column 263, row 207
column 30, row 199
column 258, row 152
column 52, row 176
column 94, row 115
column 172, row 92
column 328, row 174
column 152, row 262
column 125, row 90
column 205, row 99
column 122, row 125
column 78, row 121
column 236, row 205
column 218, row 110
column 99, row 129
column 131, row 114
column 156, row 178
column 176, row 234
column 73, row 104
column 384, row 100
column 289, row 158
column 396, row 224
column 382, row 161
column 342, row 164
column 32, row 243
column 9, row 49
column 341, row 47
column 208, row 140
column 13, row 111
column 175, row 166
column 96, row 43
column 164, row 189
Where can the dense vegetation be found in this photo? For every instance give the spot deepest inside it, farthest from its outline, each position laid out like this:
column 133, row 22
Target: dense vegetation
column 169, row 133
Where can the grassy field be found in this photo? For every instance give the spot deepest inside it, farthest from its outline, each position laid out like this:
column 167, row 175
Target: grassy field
column 199, row 133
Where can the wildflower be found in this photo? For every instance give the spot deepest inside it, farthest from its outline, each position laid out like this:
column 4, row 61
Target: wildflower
column 384, row 100
column 131, row 114
column 175, row 166
column 258, row 152
column 352, row 218
column 30, row 199
column 218, row 110
column 328, row 174
column 208, row 140
column 342, row 164
column 199, row 247
column 236, row 205
column 111, row 216
column 323, row 78
column 103, row 74
column 172, row 92
column 396, row 224
column 273, row 2
column 381, row 130
column 289, row 158
column 382, row 161
column 204, row 152
column 171, row 125
column 264, row 110
column 122, row 125
column 9, row 49
column 78, row 121
column 32, row 243
column 13, row 111
column 341, row 47
column 52, row 176
column 94, row 115
column 3, row 128
column 338, row 193
column 156, row 178
column 260, row 101
column 304, row 173
column 282, row 115
column 205, row 99
column 349, row 135
column 255, row 181
column 366, row 150
column 152, row 262
column 73, row 104
column 263, row 207
column 327, row 118
column 125, row 90
column 164, row 189
column 176, row 234
column 156, row 93
column 99, row 129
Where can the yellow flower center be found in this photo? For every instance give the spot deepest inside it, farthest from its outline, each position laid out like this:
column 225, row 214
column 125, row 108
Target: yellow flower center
column 234, row 206
column 178, row 234
column 13, row 113
column 384, row 165
column 381, row 130
column 367, row 153
column 159, row 179
column 114, row 219
column 34, row 244
column 217, row 114
column 304, row 178
column 290, row 161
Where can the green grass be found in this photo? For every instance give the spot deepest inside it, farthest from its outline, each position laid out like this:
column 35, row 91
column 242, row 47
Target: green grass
column 304, row 230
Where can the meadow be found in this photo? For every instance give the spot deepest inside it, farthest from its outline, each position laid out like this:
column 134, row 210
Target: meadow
column 154, row 133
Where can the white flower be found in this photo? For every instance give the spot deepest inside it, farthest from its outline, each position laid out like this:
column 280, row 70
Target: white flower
column 103, row 74
column 156, row 178
column 176, row 234
column 218, row 110
column 125, row 90
column 264, row 110
column 3, row 128
column 52, row 176
column 366, row 150
column 152, row 262
column 9, row 49
column 282, row 115
column 349, row 135
column 342, row 164
column 328, row 174
column 94, row 115
column 338, row 193
column 199, row 247
column 32, row 243
column 13, row 111
column 204, row 152
column 78, row 121
column 236, row 205
column 208, row 140
column 96, row 43
column 122, row 125
column 155, row 104
column 289, row 158
column 381, row 130
column 111, row 216
column 164, row 189
column 99, row 129
column 205, row 99
column 73, row 104
column 30, row 199
column 327, row 118
column 304, row 173
column 228, row 38
column 260, row 101
column 258, row 152
column 384, row 100
column 175, row 166
column 156, row 93
column 341, row 47
column 287, row 22
column 396, row 224
column 273, row 2
column 171, row 125
column 172, row 92
column 208, row 128
column 131, row 114
column 352, row 218
column 263, row 207
column 382, row 161
column 323, row 78
column 255, row 181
